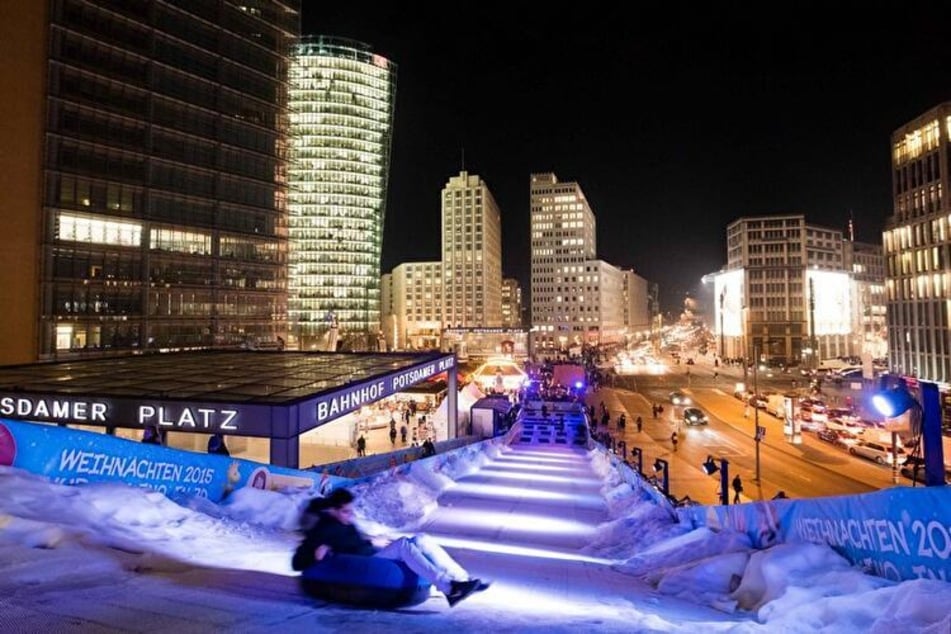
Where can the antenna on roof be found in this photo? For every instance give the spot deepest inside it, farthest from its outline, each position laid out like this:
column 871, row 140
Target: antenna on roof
column 463, row 149
column 851, row 228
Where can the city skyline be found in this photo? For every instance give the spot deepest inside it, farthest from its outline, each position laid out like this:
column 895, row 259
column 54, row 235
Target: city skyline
column 675, row 125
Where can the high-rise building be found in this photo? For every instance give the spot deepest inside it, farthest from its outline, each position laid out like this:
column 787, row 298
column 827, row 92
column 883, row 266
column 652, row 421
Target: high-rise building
column 144, row 171
column 471, row 253
column 785, row 294
column 563, row 243
column 917, row 252
column 511, row 303
column 342, row 99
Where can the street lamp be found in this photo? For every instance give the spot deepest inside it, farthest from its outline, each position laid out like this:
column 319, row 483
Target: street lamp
column 636, row 453
column 662, row 465
column 710, row 467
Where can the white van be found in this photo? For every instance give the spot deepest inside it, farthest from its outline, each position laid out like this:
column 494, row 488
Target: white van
column 776, row 405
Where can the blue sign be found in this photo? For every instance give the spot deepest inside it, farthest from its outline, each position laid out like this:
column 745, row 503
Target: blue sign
column 900, row 533
column 71, row 456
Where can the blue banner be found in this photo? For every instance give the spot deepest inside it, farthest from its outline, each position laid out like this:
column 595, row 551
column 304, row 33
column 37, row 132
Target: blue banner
column 71, row 456
column 900, row 533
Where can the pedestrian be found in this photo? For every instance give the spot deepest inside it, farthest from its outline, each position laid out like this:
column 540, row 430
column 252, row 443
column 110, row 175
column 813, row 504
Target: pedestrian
column 737, row 489
column 403, row 432
column 334, row 533
column 654, row 410
column 429, row 449
column 216, row 445
column 361, row 446
column 673, row 440
column 640, row 423
column 393, row 436
column 152, row 435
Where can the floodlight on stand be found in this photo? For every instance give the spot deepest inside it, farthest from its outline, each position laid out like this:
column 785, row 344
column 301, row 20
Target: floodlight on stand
column 709, row 466
column 893, row 402
column 658, row 466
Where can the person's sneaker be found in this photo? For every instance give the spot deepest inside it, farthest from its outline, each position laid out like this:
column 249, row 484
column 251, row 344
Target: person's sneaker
column 461, row 589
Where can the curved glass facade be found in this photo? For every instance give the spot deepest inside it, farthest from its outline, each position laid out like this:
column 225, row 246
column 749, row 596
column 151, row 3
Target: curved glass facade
column 342, row 99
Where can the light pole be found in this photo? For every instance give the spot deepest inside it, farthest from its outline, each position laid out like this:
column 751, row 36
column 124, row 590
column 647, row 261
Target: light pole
column 759, row 430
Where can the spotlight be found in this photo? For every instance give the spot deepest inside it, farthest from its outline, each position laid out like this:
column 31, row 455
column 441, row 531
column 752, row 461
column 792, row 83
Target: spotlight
column 709, row 466
column 894, row 402
column 658, row 466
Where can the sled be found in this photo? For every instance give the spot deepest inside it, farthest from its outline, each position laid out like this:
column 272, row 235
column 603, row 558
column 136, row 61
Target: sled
column 367, row 581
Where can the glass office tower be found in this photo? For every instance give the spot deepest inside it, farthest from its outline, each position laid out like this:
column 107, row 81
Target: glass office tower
column 342, row 98
column 159, row 220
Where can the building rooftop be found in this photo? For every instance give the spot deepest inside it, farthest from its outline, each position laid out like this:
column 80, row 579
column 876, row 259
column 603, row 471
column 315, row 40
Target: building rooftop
column 233, row 376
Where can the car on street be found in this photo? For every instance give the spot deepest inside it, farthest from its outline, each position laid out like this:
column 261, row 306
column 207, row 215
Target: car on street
column 878, row 452
column 759, row 400
column 812, row 409
column 838, row 438
column 679, row 398
column 914, row 469
column 811, row 425
column 694, row 416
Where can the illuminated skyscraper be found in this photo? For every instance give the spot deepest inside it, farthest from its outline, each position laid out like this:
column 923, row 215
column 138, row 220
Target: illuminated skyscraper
column 917, row 252
column 564, row 273
column 471, row 253
column 342, row 99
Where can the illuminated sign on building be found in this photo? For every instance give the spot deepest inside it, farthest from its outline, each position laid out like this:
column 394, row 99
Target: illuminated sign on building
column 728, row 289
column 831, row 294
column 208, row 418
column 353, row 398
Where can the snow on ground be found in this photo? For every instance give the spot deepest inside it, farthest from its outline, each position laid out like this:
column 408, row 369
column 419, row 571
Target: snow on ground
column 640, row 570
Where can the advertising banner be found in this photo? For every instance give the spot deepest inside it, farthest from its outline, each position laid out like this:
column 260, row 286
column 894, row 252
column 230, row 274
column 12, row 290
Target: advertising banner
column 901, row 533
column 70, row 456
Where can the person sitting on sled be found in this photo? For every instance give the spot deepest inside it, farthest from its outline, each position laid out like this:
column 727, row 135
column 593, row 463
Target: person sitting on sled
column 334, row 532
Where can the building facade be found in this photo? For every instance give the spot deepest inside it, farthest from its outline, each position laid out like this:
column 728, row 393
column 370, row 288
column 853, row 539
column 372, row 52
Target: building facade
column 342, row 100
column 511, row 303
column 636, row 304
column 471, row 253
column 413, row 318
column 563, row 243
column 785, row 294
column 147, row 164
column 917, row 241
column 869, row 307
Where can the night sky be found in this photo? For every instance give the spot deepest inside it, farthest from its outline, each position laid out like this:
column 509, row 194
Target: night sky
column 674, row 122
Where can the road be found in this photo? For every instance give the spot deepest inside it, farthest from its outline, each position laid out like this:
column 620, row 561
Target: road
column 810, row 469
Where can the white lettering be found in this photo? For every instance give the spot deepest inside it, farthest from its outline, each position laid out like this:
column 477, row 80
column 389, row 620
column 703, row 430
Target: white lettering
column 187, row 420
column 350, row 400
column 145, row 413
column 229, row 415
